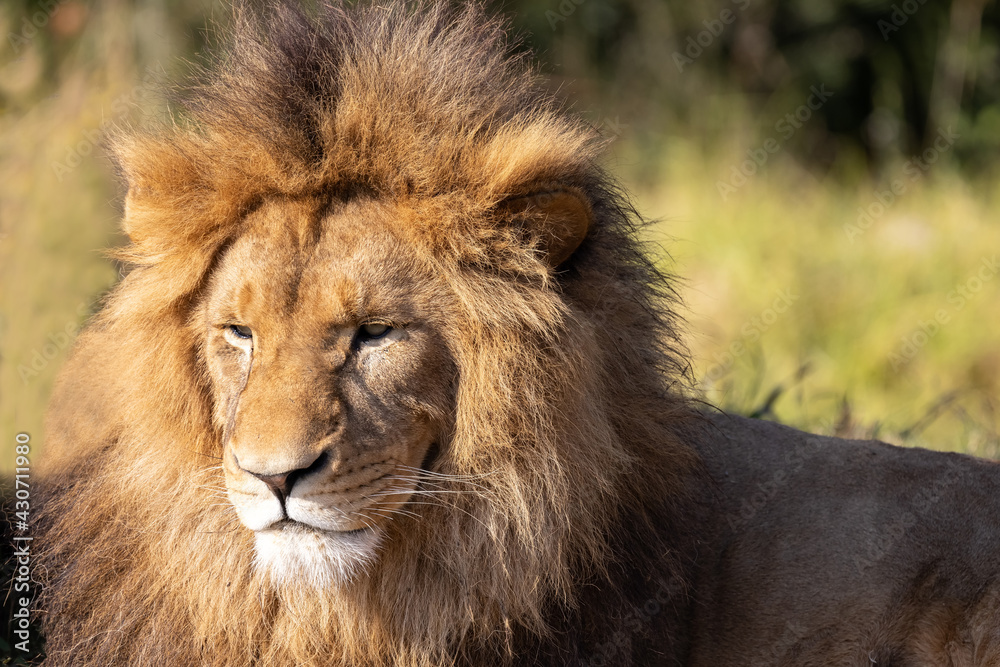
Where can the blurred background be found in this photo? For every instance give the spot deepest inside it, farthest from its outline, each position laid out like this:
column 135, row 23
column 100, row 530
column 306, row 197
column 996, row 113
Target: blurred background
column 822, row 175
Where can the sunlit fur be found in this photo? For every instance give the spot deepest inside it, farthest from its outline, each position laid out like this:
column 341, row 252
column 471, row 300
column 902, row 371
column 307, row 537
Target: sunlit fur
column 318, row 561
column 566, row 421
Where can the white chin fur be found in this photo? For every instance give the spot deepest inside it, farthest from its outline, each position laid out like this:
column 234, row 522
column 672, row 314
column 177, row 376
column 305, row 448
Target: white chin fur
column 294, row 555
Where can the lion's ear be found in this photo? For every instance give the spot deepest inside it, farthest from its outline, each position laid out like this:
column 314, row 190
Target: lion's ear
column 560, row 216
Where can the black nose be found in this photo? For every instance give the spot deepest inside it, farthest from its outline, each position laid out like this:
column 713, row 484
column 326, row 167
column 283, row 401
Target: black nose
column 281, row 484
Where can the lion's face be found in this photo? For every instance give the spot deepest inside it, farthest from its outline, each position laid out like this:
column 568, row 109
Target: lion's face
column 332, row 383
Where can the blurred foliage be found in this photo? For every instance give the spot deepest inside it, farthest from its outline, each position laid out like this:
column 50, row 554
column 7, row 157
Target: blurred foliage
column 899, row 70
column 706, row 107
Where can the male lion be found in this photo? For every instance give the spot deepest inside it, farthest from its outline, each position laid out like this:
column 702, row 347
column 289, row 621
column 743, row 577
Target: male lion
column 392, row 382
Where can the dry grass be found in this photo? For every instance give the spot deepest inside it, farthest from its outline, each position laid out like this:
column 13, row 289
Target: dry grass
column 890, row 331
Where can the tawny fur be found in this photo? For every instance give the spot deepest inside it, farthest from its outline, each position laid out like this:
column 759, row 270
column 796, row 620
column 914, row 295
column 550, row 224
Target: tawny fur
column 609, row 522
column 564, row 413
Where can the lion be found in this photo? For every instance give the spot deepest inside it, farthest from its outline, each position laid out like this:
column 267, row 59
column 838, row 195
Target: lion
column 391, row 380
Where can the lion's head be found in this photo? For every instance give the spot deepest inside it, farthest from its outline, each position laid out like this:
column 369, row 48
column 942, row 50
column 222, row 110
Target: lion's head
column 325, row 338
column 388, row 374
column 331, row 337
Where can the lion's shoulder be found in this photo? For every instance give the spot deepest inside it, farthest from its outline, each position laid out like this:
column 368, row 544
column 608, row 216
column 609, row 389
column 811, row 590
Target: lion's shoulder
column 822, row 533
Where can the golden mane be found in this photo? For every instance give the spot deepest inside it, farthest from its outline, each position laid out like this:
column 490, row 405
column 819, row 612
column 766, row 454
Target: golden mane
column 565, row 414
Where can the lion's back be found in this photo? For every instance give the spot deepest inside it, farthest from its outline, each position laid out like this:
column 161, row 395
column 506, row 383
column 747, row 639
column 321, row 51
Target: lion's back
column 884, row 536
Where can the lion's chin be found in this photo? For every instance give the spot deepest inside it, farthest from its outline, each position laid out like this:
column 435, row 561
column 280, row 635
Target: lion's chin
column 296, row 554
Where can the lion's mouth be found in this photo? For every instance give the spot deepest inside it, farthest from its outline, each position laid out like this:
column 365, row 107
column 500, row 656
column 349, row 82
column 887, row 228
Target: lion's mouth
column 293, row 526
column 351, row 508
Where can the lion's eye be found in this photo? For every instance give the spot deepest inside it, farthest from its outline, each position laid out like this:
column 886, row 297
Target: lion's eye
column 374, row 330
column 240, row 331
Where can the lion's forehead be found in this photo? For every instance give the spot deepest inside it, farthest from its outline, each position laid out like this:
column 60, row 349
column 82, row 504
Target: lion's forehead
column 352, row 265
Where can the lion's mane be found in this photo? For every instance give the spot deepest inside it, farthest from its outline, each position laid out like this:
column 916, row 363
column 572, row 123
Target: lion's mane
column 566, row 418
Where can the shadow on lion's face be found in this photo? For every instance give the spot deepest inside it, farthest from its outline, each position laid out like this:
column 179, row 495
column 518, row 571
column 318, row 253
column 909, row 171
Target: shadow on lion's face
column 332, row 382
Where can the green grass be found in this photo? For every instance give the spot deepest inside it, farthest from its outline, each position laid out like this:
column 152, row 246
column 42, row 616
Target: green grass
column 878, row 337
column 52, row 267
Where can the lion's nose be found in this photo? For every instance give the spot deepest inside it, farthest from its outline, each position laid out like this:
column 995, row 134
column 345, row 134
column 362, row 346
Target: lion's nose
column 281, row 483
